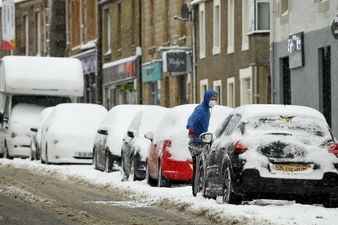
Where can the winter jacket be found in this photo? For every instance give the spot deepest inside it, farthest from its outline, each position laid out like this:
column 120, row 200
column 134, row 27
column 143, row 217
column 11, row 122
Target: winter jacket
column 199, row 119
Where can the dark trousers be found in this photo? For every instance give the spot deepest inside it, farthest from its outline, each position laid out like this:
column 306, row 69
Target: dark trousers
column 195, row 148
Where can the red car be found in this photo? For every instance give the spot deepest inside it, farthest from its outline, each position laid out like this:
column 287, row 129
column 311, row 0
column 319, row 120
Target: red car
column 169, row 159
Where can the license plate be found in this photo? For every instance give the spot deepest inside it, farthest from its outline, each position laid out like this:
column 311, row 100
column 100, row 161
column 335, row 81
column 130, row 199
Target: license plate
column 83, row 154
column 290, row 167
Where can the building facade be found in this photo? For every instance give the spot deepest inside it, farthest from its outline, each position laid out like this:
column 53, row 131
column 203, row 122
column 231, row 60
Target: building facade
column 304, row 53
column 120, row 43
column 166, row 53
column 40, row 28
column 82, row 36
column 232, row 50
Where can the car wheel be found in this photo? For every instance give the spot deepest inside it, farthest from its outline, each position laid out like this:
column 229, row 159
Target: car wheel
column 149, row 179
column 228, row 196
column 162, row 181
column 108, row 163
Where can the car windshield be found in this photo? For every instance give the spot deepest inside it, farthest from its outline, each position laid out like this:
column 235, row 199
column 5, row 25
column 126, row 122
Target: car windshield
column 302, row 127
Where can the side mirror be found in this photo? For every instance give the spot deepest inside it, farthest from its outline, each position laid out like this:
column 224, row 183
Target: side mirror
column 103, row 132
column 34, row 129
column 149, row 135
column 130, row 134
column 206, row 138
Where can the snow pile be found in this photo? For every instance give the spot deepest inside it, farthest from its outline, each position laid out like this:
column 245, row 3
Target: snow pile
column 180, row 198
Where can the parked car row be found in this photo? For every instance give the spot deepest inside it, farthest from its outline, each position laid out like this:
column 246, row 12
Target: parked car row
column 250, row 152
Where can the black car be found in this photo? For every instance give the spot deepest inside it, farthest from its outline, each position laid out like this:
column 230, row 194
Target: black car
column 271, row 151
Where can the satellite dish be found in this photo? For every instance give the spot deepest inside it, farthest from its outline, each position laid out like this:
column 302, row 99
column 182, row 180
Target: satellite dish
column 185, row 11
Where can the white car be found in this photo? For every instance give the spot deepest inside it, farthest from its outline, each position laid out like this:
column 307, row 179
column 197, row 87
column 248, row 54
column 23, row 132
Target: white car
column 17, row 143
column 109, row 137
column 36, row 133
column 68, row 134
column 146, row 120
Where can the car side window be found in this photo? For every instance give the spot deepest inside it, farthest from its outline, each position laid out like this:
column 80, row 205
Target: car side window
column 232, row 125
column 224, row 125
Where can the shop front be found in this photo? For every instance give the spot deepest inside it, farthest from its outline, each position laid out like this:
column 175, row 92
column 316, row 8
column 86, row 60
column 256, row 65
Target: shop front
column 151, row 76
column 89, row 65
column 119, row 82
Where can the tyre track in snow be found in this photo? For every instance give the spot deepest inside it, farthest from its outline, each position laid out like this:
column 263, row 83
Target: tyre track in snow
column 29, row 198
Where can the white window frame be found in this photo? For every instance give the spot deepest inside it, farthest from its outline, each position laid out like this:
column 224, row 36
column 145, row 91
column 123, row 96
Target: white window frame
column 253, row 17
column 231, row 95
column 245, row 25
column 217, row 28
column 26, row 24
column 215, row 84
column 231, row 26
column 38, row 33
column 201, row 13
column 203, row 83
column 245, row 74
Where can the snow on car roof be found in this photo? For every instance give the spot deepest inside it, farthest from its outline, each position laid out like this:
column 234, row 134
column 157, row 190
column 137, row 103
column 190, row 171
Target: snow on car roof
column 117, row 122
column 263, row 110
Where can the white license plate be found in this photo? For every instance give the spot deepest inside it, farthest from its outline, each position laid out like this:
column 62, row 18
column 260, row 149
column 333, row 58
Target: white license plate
column 84, row 154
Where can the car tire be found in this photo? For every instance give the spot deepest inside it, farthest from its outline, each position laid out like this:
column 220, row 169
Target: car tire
column 162, row 181
column 108, row 162
column 149, row 179
column 229, row 197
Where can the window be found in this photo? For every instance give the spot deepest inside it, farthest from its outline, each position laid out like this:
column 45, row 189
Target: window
column 218, row 88
column 259, row 15
column 119, row 25
column 38, row 33
column 202, row 30
column 203, row 88
column 231, row 92
column 231, row 25
column 108, row 31
column 246, row 85
column 26, row 27
column 263, row 15
column 217, row 28
column 245, row 39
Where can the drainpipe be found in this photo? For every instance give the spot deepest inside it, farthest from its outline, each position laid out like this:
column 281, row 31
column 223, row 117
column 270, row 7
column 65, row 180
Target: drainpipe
column 193, row 36
column 272, row 52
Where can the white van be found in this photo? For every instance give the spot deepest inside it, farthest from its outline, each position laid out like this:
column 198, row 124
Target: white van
column 27, row 86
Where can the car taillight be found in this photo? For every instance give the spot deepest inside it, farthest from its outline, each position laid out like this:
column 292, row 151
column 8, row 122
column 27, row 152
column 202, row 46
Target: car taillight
column 167, row 143
column 239, row 148
column 333, row 148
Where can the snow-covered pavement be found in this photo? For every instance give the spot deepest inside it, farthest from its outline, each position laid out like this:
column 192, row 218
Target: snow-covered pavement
column 256, row 212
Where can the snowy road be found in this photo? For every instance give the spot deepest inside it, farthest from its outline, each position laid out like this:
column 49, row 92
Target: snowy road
column 77, row 194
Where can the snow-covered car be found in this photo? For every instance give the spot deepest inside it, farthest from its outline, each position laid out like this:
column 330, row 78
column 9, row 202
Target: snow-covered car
column 17, row 143
column 67, row 135
column 109, row 136
column 137, row 146
column 36, row 133
column 272, row 151
column 169, row 159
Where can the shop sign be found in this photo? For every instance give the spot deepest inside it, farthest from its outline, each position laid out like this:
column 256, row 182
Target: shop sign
column 88, row 62
column 151, row 72
column 296, row 50
column 119, row 70
column 175, row 62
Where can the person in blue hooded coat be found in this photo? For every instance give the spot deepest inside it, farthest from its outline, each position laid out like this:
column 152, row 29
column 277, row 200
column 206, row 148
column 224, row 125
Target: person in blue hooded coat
column 198, row 124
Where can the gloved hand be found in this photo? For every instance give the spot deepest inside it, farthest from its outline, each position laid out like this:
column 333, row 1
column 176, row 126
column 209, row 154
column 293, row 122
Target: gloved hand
column 191, row 132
